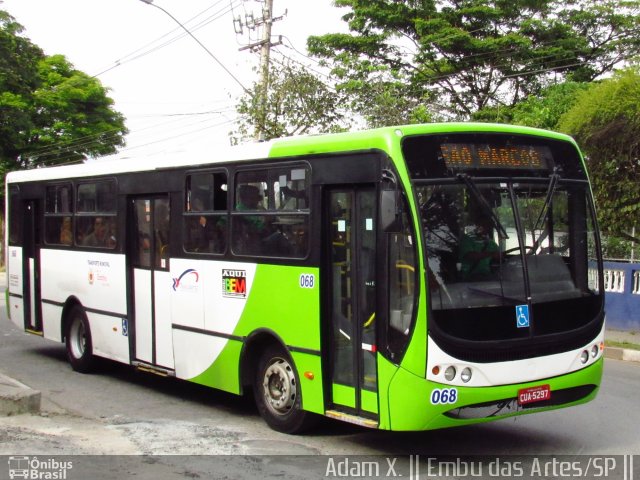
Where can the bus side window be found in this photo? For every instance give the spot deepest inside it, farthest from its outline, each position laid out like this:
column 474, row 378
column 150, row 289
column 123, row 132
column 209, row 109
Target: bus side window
column 96, row 214
column 270, row 217
column 290, row 189
column 58, row 230
column 249, row 231
column 205, row 222
column 99, row 232
column 402, row 285
column 15, row 211
column 58, row 218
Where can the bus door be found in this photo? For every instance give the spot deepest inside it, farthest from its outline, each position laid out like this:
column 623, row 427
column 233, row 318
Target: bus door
column 148, row 242
column 31, row 267
column 352, row 303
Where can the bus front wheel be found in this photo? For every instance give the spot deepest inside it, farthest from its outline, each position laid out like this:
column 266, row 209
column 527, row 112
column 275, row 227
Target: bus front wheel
column 78, row 341
column 277, row 393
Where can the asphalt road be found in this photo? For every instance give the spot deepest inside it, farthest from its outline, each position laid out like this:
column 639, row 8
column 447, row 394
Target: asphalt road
column 120, row 411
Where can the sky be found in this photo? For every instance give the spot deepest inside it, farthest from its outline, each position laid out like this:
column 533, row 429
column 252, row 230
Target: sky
column 176, row 98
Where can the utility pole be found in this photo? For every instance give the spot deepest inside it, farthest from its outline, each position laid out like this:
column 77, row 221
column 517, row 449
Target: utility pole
column 265, row 54
column 264, row 45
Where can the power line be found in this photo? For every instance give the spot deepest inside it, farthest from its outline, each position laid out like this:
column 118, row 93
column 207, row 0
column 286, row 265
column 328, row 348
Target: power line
column 135, row 55
column 71, row 146
column 150, row 2
column 124, row 58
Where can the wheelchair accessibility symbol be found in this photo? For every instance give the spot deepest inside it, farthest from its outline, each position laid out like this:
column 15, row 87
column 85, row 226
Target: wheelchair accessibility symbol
column 522, row 316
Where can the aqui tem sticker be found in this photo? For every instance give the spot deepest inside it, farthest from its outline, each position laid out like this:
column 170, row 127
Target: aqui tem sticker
column 234, row 283
column 522, row 316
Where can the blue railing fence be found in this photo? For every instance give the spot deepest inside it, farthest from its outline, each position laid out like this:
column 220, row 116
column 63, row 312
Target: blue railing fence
column 622, row 295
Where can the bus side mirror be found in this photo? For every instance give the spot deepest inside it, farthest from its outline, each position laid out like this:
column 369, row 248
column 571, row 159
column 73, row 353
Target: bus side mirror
column 389, row 211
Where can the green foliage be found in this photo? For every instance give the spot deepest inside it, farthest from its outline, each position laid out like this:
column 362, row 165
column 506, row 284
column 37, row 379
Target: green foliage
column 606, row 123
column 615, row 248
column 541, row 111
column 75, row 119
column 458, row 57
column 50, row 113
column 386, row 103
column 297, row 103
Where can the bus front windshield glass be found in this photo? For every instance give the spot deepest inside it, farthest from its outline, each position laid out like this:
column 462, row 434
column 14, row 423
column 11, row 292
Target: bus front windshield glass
column 510, row 238
column 496, row 244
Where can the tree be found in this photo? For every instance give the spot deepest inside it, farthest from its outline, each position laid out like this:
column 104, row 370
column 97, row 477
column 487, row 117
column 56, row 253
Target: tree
column 50, row 113
column 297, row 103
column 461, row 56
column 18, row 78
column 386, row 103
column 543, row 110
column 605, row 122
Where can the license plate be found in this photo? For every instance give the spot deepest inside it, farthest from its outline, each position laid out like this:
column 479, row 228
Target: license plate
column 534, row 394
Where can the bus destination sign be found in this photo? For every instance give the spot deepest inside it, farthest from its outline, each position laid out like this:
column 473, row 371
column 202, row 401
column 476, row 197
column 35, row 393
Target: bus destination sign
column 483, row 155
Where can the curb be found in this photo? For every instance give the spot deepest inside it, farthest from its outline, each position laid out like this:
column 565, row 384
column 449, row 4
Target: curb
column 625, row 354
column 17, row 398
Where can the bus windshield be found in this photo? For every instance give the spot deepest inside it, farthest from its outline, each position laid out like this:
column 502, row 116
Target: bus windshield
column 499, row 242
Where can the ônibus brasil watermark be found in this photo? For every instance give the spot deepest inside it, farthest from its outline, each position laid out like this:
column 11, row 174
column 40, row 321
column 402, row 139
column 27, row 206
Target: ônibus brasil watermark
column 34, row 468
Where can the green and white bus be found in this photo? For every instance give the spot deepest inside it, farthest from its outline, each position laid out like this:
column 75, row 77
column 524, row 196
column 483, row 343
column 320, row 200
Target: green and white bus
column 405, row 278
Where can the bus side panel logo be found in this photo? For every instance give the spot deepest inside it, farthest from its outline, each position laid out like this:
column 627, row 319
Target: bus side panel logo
column 182, row 284
column 522, row 316
column 234, row 283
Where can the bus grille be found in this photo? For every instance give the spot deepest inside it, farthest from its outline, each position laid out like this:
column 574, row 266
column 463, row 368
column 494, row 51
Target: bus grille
column 508, row 406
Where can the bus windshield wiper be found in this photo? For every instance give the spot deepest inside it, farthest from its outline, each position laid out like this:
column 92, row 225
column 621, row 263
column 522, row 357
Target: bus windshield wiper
column 471, row 185
column 553, row 182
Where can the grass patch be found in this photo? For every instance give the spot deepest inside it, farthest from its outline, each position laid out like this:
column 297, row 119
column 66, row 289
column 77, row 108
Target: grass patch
column 631, row 346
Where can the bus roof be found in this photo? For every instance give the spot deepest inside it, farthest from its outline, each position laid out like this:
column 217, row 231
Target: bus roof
column 382, row 139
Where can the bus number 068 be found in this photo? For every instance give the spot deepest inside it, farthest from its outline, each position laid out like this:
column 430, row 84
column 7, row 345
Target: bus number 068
column 307, row 280
column 445, row 395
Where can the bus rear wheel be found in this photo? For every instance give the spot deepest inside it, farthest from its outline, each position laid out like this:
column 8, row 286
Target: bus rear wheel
column 78, row 341
column 277, row 393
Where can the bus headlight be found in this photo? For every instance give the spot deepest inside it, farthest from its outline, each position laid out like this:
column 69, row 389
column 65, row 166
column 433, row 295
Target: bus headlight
column 584, row 356
column 450, row 373
column 594, row 351
column 465, row 375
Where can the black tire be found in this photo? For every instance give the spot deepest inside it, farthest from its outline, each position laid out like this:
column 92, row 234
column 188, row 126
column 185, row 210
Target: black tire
column 78, row 341
column 277, row 393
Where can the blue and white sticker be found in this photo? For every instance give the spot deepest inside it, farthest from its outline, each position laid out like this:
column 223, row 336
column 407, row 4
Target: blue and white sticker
column 307, row 280
column 522, row 316
column 441, row 396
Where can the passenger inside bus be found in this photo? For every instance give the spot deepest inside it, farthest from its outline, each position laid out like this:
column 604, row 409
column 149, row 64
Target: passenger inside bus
column 201, row 230
column 66, row 235
column 97, row 235
column 478, row 250
column 253, row 228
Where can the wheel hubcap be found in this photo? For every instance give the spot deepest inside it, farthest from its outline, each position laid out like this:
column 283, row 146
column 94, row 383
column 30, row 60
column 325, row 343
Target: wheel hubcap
column 77, row 338
column 279, row 386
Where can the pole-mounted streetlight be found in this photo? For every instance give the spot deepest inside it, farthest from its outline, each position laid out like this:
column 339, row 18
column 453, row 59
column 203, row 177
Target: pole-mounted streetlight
column 150, row 2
